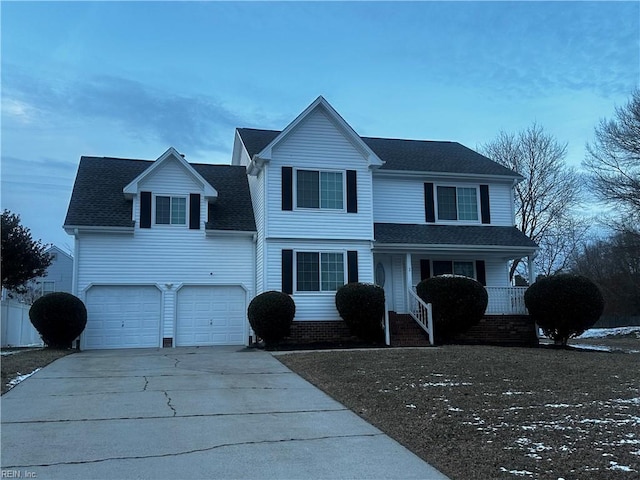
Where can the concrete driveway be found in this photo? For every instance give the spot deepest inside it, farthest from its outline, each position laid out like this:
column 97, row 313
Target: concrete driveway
column 188, row 413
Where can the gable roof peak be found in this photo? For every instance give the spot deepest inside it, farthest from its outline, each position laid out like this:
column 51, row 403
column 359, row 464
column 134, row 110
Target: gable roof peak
column 131, row 190
column 320, row 102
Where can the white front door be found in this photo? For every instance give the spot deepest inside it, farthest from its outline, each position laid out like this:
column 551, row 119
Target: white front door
column 383, row 277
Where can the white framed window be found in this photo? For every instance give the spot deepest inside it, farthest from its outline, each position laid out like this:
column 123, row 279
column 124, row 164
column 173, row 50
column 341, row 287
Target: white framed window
column 457, row 203
column 320, row 189
column 48, row 287
column 444, row 267
column 170, row 210
column 319, row 271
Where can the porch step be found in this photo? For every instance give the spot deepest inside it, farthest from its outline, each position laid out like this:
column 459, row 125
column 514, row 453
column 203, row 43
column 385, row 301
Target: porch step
column 405, row 332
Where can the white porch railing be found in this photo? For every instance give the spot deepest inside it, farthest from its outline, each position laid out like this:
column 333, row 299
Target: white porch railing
column 506, row 301
column 421, row 313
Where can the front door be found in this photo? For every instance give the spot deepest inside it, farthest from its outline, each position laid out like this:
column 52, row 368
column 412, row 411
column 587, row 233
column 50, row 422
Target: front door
column 384, row 278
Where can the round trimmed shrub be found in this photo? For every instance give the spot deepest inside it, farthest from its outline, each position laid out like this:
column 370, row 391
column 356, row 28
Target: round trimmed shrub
column 564, row 305
column 59, row 318
column 271, row 315
column 458, row 303
column 361, row 306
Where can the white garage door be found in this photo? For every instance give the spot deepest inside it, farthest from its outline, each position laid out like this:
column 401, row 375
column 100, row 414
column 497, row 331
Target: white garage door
column 122, row 317
column 210, row 316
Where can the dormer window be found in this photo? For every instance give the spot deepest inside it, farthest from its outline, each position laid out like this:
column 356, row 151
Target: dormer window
column 171, row 210
column 457, row 203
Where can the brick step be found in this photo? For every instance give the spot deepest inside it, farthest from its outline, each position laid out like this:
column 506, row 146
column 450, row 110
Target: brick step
column 405, row 332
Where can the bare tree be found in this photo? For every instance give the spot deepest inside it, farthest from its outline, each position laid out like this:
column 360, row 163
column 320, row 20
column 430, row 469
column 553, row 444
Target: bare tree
column 613, row 160
column 614, row 265
column 547, row 195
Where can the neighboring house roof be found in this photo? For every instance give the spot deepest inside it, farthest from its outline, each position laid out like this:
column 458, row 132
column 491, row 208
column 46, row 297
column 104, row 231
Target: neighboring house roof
column 405, row 155
column 471, row 235
column 55, row 249
column 97, row 199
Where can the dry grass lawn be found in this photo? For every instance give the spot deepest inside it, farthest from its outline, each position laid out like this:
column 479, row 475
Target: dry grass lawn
column 477, row 412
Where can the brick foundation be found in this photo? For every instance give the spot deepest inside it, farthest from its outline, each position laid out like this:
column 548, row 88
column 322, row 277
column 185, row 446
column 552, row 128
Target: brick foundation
column 508, row 330
column 320, row 331
column 511, row 330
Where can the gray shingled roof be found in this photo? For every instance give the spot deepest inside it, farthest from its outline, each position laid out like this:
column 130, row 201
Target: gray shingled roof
column 395, row 233
column 97, row 198
column 405, row 155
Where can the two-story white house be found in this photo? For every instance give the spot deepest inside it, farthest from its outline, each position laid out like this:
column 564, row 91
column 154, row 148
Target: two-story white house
column 303, row 210
column 333, row 207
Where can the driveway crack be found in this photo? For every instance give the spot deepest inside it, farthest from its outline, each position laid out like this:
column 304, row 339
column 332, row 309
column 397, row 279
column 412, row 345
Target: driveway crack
column 169, row 403
column 196, row 450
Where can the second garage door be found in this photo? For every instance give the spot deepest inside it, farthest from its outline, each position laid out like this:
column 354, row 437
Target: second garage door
column 210, row 315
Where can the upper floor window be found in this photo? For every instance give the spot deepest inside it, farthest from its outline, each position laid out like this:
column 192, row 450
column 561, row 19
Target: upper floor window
column 318, row 189
column 48, row 287
column 171, row 210
column 319, row 272
column 457, row 203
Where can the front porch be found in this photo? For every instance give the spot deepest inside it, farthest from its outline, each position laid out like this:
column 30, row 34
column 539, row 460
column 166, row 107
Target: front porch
column 409, row 319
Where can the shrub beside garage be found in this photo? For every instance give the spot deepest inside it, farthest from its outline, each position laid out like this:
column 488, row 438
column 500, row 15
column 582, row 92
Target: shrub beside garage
column 59, row 318
column 271, row 315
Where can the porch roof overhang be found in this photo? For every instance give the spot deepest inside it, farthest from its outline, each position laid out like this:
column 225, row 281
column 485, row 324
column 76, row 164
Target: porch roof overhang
column 505, row 241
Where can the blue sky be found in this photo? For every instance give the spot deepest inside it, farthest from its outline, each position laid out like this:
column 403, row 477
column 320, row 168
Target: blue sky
column 130, row 79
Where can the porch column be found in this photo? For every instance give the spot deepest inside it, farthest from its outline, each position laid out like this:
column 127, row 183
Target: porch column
column 532, row 269
column 408, row 280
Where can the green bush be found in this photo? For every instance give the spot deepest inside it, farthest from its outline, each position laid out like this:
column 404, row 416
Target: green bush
column 361, row 306
column 564, row 305
column 59, row 318
column 271, row 314
column 458, row 303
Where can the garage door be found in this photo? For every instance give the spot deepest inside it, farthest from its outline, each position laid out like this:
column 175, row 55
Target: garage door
column 210, row 316
column 122, row 317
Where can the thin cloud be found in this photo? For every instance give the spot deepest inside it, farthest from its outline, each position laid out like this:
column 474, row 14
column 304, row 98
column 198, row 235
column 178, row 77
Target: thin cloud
column 140, row 111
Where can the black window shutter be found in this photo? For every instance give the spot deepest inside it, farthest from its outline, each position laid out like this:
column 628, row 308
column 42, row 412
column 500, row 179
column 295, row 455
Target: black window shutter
column 352, row 266
column 145, row 209
column 352, row 191
column 287, row 271
column 194, row 211
column 287, row 188
column 429, row 207
column 485, row 211
column 425, row 269
column 481, row 272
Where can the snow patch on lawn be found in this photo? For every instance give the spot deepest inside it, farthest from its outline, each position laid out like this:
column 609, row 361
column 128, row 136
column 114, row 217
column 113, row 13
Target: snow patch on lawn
column 20, row 378
column 518, row 473
column 617, row 466
column 610, row 332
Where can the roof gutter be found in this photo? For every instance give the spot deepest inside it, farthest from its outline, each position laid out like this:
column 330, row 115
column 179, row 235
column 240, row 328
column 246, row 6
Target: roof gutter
column 455, row 247
column 470, row 176
column 76, row 230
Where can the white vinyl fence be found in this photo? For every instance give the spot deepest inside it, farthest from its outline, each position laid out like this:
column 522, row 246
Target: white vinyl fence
column 17, row 330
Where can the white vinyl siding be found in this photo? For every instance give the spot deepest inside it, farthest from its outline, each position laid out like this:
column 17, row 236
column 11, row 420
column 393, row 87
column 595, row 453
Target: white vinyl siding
column 256, row 187
column 401, row 200
column 398, row 200
column 317, row 144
